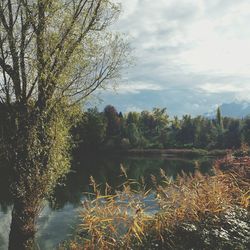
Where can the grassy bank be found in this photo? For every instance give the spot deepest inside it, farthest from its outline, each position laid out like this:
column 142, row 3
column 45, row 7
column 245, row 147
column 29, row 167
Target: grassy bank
column 199, row 212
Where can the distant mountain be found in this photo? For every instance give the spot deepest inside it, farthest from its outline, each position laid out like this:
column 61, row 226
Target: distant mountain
column 236, row 110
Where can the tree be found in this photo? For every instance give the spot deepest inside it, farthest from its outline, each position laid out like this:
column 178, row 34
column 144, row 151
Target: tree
column 207, row 134
column 132, row 130
column 133, row 134
column 113, row 121
column 91, row 131
column 219, row 119
column 246, row 130
column 133, row 117
column 187, row 132
column 147, row 124
column 233, row 136
column 53, row 54
column 153, row 122
column 174, row 130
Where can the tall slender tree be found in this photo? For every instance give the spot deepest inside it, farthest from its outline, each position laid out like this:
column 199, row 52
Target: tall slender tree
column 53, row 54
column 219, row 119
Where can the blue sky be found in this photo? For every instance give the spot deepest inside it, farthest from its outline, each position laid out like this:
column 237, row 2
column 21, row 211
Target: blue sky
column 190, row 55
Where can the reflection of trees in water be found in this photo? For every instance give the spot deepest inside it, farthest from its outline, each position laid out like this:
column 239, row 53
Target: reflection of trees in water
column 5, row 183
column 77, row 181
column 107, row 170
column 104, row 170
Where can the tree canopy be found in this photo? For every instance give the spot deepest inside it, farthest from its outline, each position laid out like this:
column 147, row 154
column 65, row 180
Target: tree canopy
column 57, row 48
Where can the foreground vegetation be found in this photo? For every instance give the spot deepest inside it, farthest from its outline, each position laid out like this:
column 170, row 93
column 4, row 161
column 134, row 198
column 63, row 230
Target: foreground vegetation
column 198, row 212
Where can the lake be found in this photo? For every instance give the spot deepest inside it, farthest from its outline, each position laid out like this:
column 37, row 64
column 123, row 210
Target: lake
column 60, row 214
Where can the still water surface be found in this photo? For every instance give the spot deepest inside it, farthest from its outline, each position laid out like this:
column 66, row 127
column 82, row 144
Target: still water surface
column 60, row 214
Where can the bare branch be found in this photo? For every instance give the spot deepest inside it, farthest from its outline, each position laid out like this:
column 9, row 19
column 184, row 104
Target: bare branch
column 24, row 27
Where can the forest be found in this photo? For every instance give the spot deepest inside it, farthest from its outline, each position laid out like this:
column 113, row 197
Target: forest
column 112, row 130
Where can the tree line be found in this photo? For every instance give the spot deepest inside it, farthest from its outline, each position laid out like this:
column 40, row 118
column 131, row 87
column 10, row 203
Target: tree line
column 110, row 129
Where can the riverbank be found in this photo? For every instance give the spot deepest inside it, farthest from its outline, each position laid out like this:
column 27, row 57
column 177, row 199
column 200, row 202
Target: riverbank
column 173, row 152
column 198, row 212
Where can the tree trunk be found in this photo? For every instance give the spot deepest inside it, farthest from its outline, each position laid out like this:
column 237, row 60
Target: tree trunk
column 24, row 189
column 34, row 175
column 22, row 230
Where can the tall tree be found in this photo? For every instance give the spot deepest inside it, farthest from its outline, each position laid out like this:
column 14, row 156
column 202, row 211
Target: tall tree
column 53, row 53
column 113, row 121
column 219, row 119
column 220, row 128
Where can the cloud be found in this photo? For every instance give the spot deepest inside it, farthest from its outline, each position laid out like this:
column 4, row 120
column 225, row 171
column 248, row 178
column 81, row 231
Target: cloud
column 136, row 87
column 219, row 88
column 196, row 45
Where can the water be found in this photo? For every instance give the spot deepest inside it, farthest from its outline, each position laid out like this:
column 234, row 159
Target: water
column 60, row 214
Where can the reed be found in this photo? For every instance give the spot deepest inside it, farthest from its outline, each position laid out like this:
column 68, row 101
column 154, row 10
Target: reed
column 122, row 219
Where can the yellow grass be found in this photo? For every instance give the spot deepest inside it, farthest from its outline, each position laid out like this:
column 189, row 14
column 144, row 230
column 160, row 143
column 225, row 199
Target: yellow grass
column 121, row 220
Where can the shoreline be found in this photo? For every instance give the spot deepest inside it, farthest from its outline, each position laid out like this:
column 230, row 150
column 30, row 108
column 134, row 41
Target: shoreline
column 172, row 152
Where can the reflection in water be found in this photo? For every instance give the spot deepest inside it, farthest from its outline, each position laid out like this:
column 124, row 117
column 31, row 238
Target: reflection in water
column 5, row 206
column 5, row 182
column 60, row 214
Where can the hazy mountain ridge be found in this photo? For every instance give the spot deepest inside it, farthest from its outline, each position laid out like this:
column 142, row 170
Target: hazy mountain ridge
column 234, row 109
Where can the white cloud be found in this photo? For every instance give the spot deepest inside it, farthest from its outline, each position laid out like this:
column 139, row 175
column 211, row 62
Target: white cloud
column 136, row 87
column 197, row 44
column 222, row 44
column 219, row 87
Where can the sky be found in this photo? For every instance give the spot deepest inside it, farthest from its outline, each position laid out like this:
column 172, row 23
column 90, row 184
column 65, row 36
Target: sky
column 190, row 55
